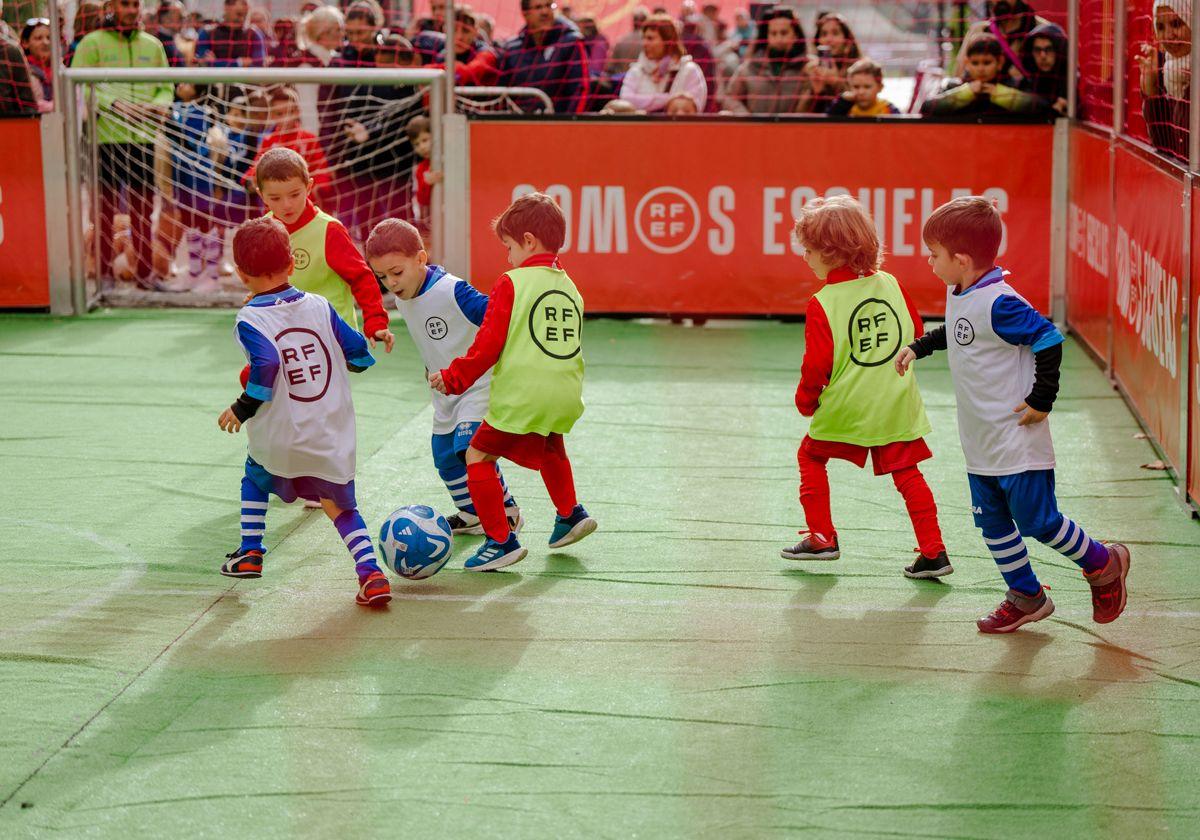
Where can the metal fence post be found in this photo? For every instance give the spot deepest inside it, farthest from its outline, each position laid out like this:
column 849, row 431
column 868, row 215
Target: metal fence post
column 1073, row 59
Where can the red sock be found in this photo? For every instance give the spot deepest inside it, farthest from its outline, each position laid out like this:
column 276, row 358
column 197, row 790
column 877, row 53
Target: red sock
column 560, row 483
column 922, row 510
column 814, row 494
column 487, row 494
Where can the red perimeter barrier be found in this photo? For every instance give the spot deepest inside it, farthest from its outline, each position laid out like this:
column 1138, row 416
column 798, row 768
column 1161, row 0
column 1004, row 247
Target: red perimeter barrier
column 697, row 218
column 25, row 276
column 1148, row 319
column 1090, row 240
column 1194, row 378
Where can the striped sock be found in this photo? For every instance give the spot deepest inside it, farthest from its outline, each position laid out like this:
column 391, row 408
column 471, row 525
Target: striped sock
column 509, row 501
column 1069, row 540
column 455, row 479
column 1008, row 550
column 358, row 542
column 254, row 515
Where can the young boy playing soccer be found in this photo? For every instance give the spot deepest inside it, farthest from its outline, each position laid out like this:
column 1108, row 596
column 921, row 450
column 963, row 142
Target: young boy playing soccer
column 296, row 407
column 531, row 335
column 858, row 321
column 443, row 314
column 1004, row 359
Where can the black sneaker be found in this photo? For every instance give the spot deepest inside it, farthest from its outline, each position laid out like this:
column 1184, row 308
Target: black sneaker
column 929, row 567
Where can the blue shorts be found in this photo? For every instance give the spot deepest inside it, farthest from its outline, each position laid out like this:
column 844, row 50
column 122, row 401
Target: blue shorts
column 1025, row 498
column 450, row 448
column 301, row 487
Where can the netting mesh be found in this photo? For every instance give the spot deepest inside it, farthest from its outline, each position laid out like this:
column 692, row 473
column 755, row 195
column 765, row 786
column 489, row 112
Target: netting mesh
column 170, row 170
column 1157, row 64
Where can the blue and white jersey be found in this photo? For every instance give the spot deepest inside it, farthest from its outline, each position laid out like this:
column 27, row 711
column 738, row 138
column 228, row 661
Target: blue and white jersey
column 991, row 335
column 443, row 319
column 298, row 347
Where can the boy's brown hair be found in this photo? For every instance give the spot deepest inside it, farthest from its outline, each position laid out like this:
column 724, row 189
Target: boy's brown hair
column 416, row 127
column 393, row 236
column 839, row 229
column 280, row 164
column 866, row 67
column 984, row 44
column 535, row 213
column 262, row 247
column 967, row 225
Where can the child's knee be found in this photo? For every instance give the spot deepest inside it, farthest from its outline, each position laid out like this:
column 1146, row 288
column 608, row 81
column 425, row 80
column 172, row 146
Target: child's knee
column 1045, row 530
column 475, row 456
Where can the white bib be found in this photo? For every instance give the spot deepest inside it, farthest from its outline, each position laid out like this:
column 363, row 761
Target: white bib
column 442, row 333
column 307, row 428
column 991, row 378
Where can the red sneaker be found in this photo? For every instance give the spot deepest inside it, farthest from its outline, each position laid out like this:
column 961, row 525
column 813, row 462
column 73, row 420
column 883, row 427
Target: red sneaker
column 375, row 591
column 1108, row 585
column 243, row 564
column 1016, row 609
column 813, row 547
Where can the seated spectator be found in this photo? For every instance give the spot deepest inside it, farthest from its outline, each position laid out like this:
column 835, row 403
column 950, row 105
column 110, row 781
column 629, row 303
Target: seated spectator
column 620, row 106
column 1009, row 22
column 1166, row 78
column 865, row 78
column 983, row 93
column 232, row 43
column 35, row 44
column 547, row 54
column 682, row 106
column 284, row 118
column 168, row 20
column 774, row 75
column 662, row 72
column 837, row 49
column 1044, row 57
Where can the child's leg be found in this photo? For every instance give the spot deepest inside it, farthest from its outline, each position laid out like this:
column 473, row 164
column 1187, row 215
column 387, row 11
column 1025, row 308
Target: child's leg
column 922, row 510
column 557, row 476
column 1031, row 496
column 814, row 493
column 254, row 515
column 214, row 244
column 353, row 529
column 992, row 517
column 487, row 494
column 453, row 471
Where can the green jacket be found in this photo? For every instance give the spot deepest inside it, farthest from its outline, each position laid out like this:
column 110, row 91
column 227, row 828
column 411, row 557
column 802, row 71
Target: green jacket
column 108, row 48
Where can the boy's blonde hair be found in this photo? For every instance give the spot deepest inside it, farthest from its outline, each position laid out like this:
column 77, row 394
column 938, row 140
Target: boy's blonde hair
column 866, row 67
column 839, row 229
column 535, row 213
column 967, row 225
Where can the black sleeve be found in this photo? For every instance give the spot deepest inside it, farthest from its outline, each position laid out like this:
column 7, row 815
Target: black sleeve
column 1046, row 364
column 930, row 343
column 355, row 368
column 245, row 407
column 840, row 107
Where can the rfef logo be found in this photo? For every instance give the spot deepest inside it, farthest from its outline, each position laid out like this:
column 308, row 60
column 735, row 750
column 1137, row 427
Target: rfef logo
column 306, row 363
column 874, row 333
column 555, row 323
column 667, row 220
column 302, row 258
column 964, row 332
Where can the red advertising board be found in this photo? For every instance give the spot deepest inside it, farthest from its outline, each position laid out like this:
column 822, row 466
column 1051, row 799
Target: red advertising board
column 24, row 271
column 1090, row 239
column 692, row 217
column 1194, row 357
column 1148, row 258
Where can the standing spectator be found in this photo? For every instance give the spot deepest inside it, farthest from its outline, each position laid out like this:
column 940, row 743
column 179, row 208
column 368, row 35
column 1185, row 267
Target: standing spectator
column 628, row 46
column 595, row 44
column 363, row 20
column 695, row 45
column 984, row 92
column 475, row 59
column 744, row 30
column 127, row 119
column 662, row 72
column 1009, row 22
column 863, row 100
column 284, row 51
column 260, row 19
column 434, row 22
column 286, row 131
column 195, row 145
column 837, row 49
column 547, row 54
column 89, row 15
column 1044, row 56
column 322, row 33
column 775, row 75
column 1166, row 77
column 17, row 95
column 35, row 44
column 711, row 25
column 232, row 43
column 169, row 23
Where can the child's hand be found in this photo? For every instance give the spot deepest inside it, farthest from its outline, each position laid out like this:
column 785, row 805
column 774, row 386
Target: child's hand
column 1031, row 415
column 903, row 359
column 436, row 383
column 433, row 176
column 976, row 87
column 228, row 422
column 385, row 336
column 356, row 131
column 1147, row 60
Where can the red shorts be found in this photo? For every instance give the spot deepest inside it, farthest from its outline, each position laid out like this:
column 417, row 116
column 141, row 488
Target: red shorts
column 527, row 450
column 887, row 458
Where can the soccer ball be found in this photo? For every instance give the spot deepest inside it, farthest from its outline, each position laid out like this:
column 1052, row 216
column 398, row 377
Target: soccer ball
column 415, row 542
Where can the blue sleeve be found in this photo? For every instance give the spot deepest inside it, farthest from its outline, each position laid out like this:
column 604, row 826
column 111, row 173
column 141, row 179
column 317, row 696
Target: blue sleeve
column 258, row 50
column 354, row 344
column 1018, row 323
column 203, row 43
column 471, row 301
column 264, row 361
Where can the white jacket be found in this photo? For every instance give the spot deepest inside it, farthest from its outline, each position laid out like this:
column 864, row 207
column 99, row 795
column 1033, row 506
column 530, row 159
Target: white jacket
column 677, row 77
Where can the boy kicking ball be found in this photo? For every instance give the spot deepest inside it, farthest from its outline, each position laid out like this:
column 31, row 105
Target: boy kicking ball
column 1004, row 359
column 531, row 334
column 297, row 409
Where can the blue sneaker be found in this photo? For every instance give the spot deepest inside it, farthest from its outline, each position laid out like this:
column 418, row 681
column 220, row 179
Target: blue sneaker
column 494, row 555
column 571, row 529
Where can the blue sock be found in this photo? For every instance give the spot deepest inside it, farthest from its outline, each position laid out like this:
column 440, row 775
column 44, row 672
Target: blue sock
column 1069, row 540
column 254, row 515
column 1008, row 550
column 358, row 542
column 509, row 501
column 455, row 479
